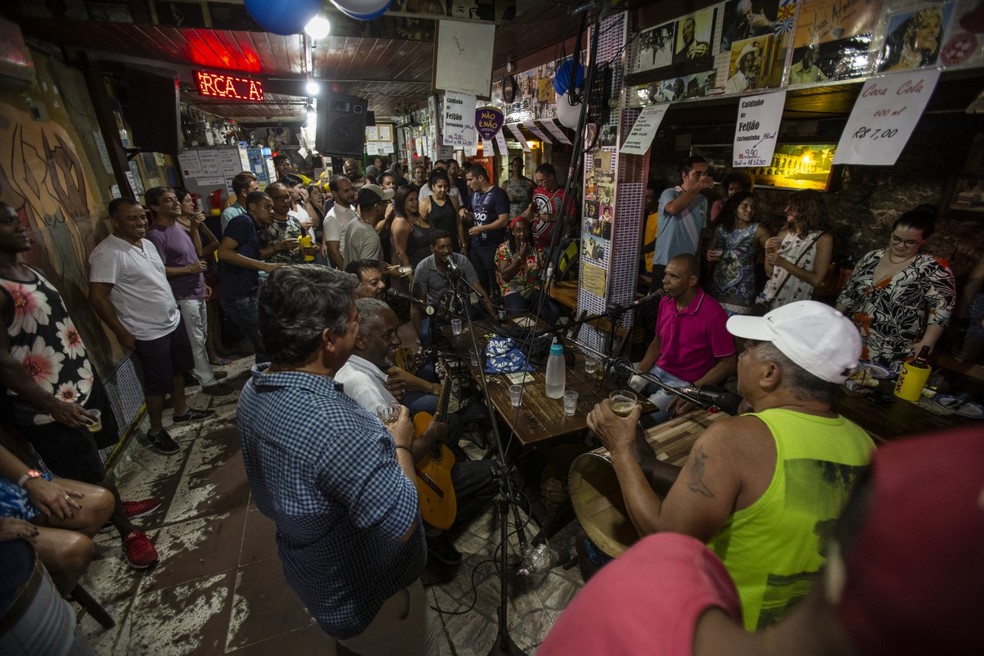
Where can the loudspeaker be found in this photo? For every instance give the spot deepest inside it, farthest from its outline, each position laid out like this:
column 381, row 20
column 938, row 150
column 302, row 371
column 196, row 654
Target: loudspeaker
column 341, row 126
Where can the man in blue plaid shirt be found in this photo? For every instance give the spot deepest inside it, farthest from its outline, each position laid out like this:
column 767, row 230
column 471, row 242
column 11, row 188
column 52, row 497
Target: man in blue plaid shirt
column 336, row 482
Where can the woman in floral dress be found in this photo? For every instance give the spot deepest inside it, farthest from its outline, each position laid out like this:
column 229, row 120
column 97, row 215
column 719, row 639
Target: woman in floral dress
column 900, row 298
column 736, row 245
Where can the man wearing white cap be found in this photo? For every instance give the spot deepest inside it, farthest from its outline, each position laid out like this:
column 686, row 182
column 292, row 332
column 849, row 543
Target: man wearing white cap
column 763, row 490
column 744, row 76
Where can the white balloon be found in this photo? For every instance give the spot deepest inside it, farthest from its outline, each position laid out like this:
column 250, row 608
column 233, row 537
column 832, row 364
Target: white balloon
column 567, row 113
column 362, row 9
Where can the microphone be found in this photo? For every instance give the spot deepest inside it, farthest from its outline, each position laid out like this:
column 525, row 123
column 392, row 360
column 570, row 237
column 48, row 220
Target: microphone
column 393, row 294
column 725, row 400
column 449, row 261
column 655, row 296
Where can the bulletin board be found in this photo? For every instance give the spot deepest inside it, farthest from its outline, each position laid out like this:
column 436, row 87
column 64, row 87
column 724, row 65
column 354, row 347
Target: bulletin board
column 204, row 170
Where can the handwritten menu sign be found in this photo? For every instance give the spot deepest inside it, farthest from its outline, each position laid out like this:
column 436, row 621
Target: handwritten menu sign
column 884, row 116
column 459, row 113
column 757, row 128
column 644, row 130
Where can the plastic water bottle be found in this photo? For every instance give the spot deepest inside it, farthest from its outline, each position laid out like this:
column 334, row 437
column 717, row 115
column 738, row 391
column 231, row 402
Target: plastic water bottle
column 556, row 371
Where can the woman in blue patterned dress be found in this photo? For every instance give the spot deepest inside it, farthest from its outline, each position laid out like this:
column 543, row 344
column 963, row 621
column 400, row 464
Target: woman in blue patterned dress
column 900, row 299
column 736, row 245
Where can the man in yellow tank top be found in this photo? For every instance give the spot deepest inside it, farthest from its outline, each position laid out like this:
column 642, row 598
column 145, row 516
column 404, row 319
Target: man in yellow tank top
column 764, row 489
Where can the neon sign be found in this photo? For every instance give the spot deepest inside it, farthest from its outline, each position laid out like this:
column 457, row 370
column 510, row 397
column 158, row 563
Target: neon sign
column 218, row 85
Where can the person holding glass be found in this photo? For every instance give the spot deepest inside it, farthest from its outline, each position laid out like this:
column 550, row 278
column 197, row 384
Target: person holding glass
column 519, row 267
column 900, row 298
column 797, row 259
column 735, row 247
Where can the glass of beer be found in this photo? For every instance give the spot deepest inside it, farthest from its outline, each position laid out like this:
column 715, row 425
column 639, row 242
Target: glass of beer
column 623, row 402
column 95, row 425
column 388, row 413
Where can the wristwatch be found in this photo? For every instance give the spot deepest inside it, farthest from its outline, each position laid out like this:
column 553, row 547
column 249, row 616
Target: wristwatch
column 28, row 475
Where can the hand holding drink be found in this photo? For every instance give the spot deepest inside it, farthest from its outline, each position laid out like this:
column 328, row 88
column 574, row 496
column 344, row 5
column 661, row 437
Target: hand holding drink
column 623, row 402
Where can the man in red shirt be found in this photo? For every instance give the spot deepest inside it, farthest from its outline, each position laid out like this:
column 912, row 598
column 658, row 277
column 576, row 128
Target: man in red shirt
column 548, row 202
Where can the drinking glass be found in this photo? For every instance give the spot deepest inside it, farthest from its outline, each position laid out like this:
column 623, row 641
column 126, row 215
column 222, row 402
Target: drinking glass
column 570, row 402
column 456, row 326
column 515, row 395
column 388, row 413
column 623, row 402
column 96, row 424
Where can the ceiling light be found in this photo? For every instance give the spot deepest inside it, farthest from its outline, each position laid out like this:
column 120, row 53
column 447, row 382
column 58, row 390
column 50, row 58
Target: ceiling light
column 318, row 27
column 313, row 88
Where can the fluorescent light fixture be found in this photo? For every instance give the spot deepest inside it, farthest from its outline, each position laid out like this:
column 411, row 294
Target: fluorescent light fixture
column 318, row 27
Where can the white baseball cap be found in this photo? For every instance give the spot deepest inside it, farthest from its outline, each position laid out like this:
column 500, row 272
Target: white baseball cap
column 814, row 336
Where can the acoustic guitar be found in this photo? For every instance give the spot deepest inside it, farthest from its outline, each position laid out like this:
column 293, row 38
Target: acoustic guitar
column 438, row 504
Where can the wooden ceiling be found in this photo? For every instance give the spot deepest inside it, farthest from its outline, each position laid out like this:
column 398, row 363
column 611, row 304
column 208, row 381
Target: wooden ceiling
column 387, row 61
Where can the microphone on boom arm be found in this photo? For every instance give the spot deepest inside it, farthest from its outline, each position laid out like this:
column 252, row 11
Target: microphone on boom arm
column 427, row 308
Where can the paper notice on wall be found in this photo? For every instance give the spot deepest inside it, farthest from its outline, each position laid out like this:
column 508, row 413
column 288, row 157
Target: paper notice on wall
column 644, row 131
column 520, row 137
column 757, row 128
column 459, row 119
column 229, row 162
column 535, row 129
column 210, row 163
column 191, row 165
column 500, row 139
column 103, row 153
column 884, row 116
column 554, row 128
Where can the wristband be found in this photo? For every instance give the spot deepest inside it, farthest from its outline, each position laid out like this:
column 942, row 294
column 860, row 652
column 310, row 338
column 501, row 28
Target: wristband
column 28, row 475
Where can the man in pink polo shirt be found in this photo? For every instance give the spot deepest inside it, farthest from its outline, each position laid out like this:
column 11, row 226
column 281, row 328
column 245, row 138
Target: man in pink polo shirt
column 692, row 345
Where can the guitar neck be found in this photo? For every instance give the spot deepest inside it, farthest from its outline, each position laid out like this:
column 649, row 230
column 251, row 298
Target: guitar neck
column 445, row 395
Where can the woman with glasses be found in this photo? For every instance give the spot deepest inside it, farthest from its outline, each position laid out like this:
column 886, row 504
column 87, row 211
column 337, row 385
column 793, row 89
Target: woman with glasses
column 797, row 259
column 899, row 297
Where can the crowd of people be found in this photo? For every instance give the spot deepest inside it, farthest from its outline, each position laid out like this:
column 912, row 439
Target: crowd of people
column 303, row 272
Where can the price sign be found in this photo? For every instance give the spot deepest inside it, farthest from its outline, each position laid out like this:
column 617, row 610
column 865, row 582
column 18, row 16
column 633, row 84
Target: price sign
column 884, row 116
column 757, row 128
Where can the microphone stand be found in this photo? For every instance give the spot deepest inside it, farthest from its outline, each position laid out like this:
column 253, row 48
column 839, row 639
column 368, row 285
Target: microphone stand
column 506, row 497
column 621, row 367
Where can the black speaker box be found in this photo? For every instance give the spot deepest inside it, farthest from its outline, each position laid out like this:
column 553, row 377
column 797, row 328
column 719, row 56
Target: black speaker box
column 341, row 126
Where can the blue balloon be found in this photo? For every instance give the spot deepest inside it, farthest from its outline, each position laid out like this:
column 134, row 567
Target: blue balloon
column 562, row 78
column 364, row 10
column 283, row 17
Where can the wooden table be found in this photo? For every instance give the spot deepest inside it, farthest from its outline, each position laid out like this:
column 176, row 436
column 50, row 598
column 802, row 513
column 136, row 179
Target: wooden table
column 886, row 417
column 538, row 419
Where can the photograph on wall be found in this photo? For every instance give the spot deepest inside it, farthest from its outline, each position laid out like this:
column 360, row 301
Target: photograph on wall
column 594, row 249
column 913, row 36
column 694, row 34
column 963, row 40
column 598, row 228
column 749, row 64
column 796, row 166
column 831, row 40
column 745, row 19
column 591, row 209
column 653, row 48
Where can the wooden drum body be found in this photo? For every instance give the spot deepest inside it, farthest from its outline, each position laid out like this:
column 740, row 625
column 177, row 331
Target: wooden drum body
column 595, row 493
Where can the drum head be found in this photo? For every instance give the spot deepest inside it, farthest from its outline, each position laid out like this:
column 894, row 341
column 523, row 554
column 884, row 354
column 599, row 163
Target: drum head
column 598, row 504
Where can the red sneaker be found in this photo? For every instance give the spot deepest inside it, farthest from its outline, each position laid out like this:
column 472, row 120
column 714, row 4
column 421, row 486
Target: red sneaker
column 140, row 508
column 138, row 550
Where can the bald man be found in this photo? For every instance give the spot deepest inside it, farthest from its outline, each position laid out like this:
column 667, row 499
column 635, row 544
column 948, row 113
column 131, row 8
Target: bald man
column 692, row 345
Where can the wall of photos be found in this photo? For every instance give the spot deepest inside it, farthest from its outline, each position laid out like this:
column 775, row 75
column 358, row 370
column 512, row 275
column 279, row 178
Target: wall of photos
column 746, row 45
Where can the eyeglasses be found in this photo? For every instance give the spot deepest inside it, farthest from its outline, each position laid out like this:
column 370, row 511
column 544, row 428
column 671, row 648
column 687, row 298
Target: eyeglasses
column 908, row 243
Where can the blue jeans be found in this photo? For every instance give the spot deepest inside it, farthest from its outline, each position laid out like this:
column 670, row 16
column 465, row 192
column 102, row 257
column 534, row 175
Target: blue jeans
column 244, row 312
column 661, row 398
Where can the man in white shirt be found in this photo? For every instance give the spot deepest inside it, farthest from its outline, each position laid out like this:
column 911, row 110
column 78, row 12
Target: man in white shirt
column 129, row 291
column 338, row 217
column 370, row 377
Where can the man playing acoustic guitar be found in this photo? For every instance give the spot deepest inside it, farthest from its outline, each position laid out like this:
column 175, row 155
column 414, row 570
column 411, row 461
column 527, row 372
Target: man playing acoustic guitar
column 364, row 378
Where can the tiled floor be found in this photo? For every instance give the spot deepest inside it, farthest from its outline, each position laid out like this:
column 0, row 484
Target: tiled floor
column 219, row 587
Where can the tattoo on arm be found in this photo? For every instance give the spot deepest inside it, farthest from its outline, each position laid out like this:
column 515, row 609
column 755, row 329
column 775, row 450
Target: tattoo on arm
column 696, row 483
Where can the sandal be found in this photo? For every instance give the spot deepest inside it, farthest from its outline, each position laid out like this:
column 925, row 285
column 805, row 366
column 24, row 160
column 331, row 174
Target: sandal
column 219, row 361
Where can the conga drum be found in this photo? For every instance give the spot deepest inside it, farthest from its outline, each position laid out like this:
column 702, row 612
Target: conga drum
column 595, row 493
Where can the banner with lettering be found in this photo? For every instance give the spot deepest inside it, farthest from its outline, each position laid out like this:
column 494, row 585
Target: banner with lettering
column 884, row 116
column 489, row 121
column 757, row 128
column 458, row 129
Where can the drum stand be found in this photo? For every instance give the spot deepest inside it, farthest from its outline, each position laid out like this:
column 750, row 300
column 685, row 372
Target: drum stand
column 506, row 497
